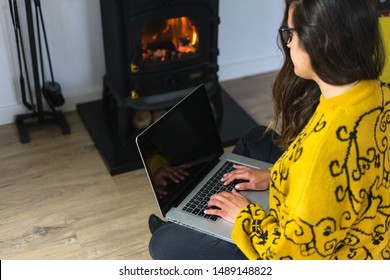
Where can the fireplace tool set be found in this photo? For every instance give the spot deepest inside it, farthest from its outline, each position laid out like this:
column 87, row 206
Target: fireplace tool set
column 51, row 90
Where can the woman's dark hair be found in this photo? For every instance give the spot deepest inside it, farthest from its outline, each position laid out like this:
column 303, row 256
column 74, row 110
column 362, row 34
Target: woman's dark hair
column 343, row 41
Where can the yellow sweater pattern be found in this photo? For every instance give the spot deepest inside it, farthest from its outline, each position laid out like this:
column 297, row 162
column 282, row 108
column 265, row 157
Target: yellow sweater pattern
column 329, row 192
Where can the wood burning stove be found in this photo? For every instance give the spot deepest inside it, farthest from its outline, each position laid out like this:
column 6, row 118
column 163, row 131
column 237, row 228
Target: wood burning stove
column 156, row 52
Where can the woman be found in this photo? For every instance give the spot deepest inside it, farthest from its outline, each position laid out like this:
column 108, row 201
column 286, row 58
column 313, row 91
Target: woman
column 329, row 191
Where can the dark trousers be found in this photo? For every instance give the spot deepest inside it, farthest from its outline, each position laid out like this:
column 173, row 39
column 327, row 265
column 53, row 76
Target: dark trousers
column 174, row 242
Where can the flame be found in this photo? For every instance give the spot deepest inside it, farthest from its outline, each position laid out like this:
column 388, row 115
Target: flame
column 169, row 38
column 184, row 34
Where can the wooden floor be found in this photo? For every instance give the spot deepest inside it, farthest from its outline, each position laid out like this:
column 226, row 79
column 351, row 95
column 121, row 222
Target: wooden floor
column 58, row 201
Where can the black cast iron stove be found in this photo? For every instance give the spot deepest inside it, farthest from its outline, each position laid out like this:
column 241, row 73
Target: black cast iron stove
column 156, row 52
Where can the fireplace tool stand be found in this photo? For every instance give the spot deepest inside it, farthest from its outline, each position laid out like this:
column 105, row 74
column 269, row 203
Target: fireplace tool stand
column 50, row 90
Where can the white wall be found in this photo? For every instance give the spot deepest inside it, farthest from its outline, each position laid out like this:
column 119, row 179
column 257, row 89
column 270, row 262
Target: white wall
column 247, row 37
column 247, row 43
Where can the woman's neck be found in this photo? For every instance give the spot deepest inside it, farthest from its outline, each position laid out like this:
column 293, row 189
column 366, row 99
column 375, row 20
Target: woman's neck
column 329, row 91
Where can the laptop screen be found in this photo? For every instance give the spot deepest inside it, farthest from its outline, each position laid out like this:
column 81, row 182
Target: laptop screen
column 179, row 147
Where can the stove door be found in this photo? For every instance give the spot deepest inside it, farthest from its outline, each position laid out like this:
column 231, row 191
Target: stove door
column 171, row 49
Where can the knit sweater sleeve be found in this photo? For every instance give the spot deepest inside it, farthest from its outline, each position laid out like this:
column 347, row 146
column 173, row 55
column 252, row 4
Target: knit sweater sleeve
column 249, row 233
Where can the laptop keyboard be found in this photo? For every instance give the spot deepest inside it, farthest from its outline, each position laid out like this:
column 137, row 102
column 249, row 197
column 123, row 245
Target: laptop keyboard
column 198, row 203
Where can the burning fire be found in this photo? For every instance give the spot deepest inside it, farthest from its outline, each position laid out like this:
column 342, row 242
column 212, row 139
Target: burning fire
column 170, row 39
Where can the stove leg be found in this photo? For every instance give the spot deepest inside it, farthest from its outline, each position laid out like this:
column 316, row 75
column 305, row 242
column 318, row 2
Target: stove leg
column 124, row 127
column 118, row 114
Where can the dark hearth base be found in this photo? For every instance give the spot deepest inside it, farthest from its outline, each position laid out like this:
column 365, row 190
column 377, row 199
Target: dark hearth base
column 122, row 156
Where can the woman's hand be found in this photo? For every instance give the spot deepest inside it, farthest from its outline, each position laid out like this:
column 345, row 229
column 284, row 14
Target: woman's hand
column 257, row 179
column 229, row 204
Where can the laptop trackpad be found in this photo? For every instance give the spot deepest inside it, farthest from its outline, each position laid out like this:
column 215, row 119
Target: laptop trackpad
column 258, row 197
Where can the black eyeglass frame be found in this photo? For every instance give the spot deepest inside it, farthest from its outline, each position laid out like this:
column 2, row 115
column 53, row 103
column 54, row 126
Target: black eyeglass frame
column 286, row 30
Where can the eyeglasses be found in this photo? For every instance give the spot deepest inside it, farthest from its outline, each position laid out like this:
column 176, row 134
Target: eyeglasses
column 286, row 34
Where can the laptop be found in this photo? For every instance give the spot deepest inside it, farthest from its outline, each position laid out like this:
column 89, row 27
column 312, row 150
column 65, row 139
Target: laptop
column 185, row 140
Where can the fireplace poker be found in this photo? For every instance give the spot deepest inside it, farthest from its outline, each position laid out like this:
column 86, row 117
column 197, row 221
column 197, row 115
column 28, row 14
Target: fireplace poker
column 13, row 5
column 51, row 90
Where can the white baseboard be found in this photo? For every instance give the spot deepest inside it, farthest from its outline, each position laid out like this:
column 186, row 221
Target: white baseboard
column 226, row 72
column 8, row 113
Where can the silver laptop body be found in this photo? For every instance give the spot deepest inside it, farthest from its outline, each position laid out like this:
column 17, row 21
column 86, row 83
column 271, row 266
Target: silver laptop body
column 188, row 134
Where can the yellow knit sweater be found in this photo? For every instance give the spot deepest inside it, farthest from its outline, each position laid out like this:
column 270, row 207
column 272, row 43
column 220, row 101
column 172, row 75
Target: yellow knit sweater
column 329, row 192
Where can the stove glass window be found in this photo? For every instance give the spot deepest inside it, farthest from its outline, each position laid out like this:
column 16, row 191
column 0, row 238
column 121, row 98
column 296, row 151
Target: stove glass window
column 170, row 40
